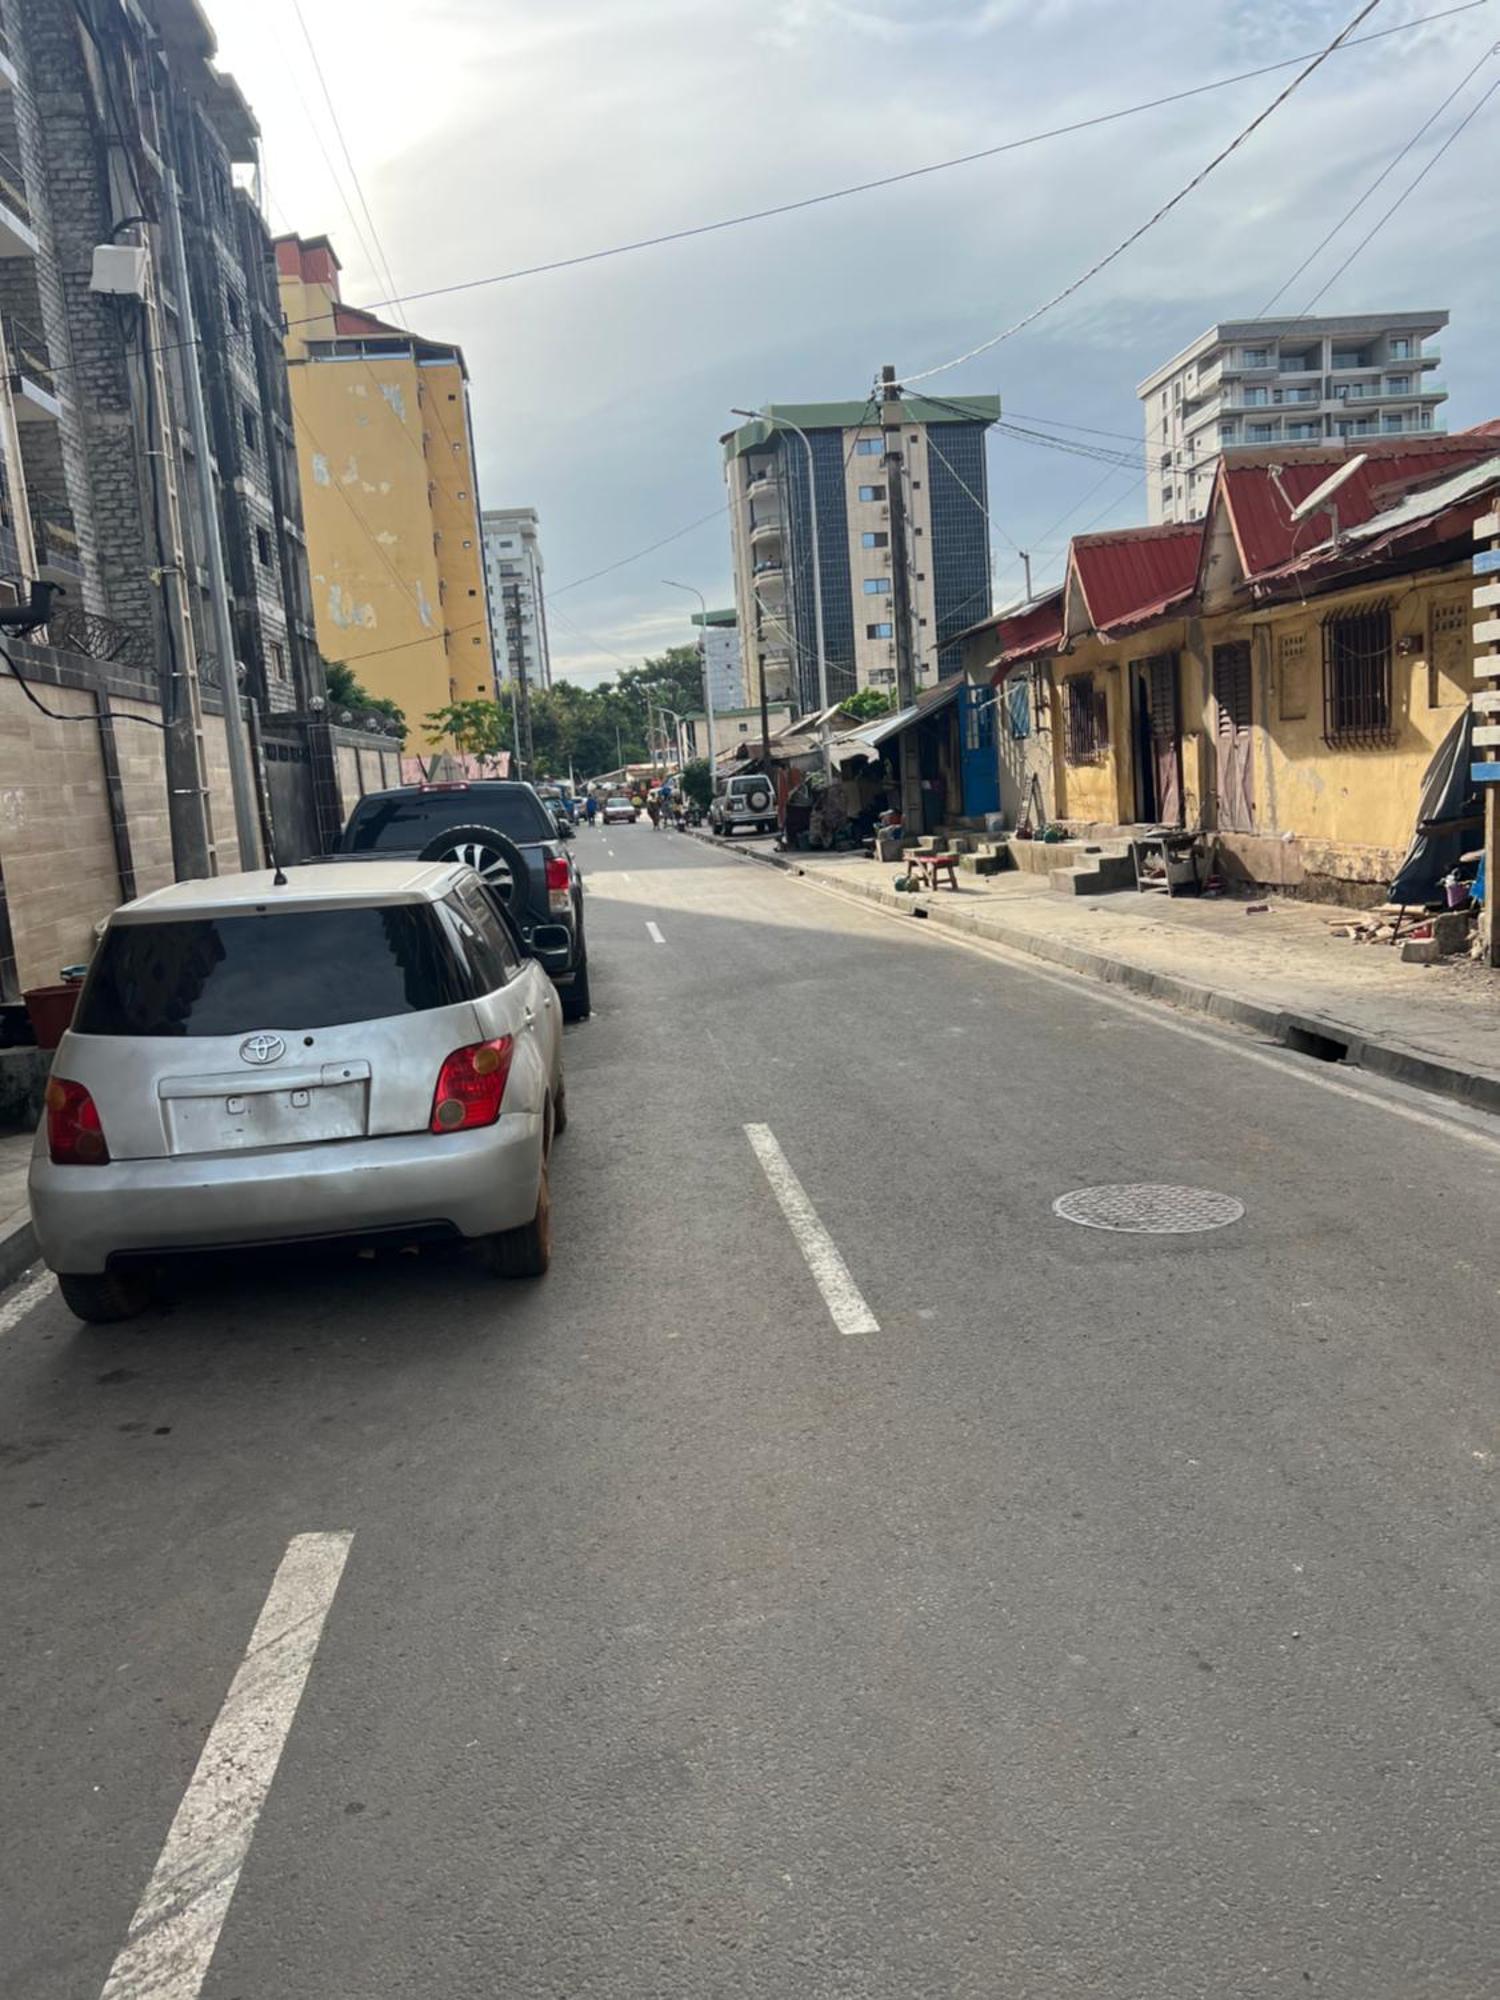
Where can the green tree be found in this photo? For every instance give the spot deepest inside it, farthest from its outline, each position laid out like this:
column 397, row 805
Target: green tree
column 866, row 704
column 346, row 690
column 698, row 782
column 478, row 728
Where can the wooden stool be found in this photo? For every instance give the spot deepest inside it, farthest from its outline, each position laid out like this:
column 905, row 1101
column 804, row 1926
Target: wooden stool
column 932, row 868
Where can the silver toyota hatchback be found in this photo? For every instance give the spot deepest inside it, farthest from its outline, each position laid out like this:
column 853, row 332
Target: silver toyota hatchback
column 335, row 1053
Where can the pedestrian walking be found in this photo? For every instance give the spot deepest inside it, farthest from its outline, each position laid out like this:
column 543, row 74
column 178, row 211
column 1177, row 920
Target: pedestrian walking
column 591, row 810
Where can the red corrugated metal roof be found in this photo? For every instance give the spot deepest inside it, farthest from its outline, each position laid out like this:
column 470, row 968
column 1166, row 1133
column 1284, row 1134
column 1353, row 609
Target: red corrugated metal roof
column 1028, row 634
column 1131, row 574
column 1258, row 512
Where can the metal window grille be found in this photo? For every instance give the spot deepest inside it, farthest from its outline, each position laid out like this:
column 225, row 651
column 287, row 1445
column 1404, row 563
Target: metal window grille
column 1088, row 720
column 1018, row 704
column 1357, row 678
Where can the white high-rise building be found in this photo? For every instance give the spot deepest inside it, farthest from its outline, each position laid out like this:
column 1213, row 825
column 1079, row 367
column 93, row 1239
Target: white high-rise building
column 1251, row 384
column 721, row 649
column 518, row 610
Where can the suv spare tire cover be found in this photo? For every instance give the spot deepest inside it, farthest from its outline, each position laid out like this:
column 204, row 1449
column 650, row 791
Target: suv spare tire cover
column 759, row 800
column 493, row 856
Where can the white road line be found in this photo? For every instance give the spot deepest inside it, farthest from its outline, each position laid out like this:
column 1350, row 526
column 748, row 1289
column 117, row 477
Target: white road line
column 830, row 1273
column 173, row 1934
column 656, row 936
column 31, row 1294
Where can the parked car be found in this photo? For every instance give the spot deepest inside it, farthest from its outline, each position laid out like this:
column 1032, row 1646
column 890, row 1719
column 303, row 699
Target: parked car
column 364, row 1053
column 502, row 830
column 746, row 804
column 620, row 812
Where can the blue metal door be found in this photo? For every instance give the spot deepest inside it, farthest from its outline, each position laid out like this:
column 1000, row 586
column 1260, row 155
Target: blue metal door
column 981, row 767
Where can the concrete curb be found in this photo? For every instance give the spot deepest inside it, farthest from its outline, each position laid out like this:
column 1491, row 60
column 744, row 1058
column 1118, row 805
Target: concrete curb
column 18, row 1251
column 1305, row 1033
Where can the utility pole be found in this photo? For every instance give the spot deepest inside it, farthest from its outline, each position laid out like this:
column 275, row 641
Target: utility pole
column 189, row 812
column 1486, row 729
column 242, row 777
column 525, row 742
column 891, row 415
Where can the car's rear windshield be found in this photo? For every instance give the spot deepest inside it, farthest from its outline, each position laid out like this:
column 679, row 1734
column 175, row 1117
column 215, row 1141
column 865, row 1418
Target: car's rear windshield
column 406, row 822
column 227, row 975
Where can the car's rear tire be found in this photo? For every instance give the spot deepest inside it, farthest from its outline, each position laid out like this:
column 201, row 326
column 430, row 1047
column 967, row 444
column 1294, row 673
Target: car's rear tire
column 105, row 1298
column 576, row 1004
column 560, row 1109
column 524, row 1252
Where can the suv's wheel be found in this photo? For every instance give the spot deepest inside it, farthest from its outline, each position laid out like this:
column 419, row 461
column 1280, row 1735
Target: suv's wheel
column 493, row 856
column 576, row 1005
column 106, row 1298
column 524, row 1252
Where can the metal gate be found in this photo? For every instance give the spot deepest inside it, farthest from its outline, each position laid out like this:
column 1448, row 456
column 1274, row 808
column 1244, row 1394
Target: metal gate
column 980, row 764
column 1232, row 739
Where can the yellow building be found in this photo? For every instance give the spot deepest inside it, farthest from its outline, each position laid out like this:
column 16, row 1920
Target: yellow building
column 390, row 495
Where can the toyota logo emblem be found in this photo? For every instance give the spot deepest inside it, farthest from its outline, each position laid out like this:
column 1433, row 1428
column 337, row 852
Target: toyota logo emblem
column 262, row 1049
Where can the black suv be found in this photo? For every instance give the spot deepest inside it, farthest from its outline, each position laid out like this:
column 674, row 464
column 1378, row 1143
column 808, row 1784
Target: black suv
column 505, row 833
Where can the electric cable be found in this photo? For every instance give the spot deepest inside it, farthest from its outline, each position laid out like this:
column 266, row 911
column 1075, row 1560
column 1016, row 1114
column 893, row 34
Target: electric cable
column 1159, row 214
column 1386, row 171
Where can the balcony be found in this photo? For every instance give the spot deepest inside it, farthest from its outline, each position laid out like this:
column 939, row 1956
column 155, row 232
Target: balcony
column 58, row 557
column 33, row 382
column 17, row 236
column 765, row 527
column 761, row 482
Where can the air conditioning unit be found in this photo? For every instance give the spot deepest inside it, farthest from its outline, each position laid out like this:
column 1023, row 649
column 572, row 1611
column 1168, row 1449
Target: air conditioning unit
column 120, row 270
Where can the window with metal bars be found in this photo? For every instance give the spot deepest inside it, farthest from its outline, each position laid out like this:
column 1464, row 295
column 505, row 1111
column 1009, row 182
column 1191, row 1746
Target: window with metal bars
column 1357, row 678
column 1087, row 736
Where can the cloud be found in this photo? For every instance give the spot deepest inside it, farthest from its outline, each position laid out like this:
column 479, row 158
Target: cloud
column 599, row 393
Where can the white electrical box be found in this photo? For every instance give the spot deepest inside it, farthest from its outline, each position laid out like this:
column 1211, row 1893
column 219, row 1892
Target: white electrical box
column 120, row 269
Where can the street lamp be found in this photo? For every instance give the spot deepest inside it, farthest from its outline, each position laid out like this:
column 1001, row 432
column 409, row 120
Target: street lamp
column 662, row 709
column 708, row 693
column 785, row 423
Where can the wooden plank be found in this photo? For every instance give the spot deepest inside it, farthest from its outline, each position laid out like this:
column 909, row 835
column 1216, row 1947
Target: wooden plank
column 1487, row 527
column 1485, row 774
column 1486, row 561
column 1486, row 704
column 1487, row 632
column 1488, row 737
column 1486, row 595
column 1486, row 665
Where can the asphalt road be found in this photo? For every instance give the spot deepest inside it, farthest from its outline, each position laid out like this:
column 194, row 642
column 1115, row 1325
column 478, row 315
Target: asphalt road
column 1113, row 1615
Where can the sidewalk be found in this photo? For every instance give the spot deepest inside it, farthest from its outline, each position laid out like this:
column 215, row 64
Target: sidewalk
column 1282, row 973
column 17, row 1243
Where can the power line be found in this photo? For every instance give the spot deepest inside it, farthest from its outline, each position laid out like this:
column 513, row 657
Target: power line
column 1102, row 263
column 315, row 127
column 1386, row 171
column 1409, row 190
column 625, row 561
column 385, row 262
column 1343, row 42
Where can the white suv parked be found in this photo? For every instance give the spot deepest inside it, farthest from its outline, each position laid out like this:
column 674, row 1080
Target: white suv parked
column 747, row 803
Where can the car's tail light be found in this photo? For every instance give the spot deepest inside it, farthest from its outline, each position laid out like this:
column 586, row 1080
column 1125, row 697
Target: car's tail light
column 470, row 1086
column 559, row 882
column 75, row 1137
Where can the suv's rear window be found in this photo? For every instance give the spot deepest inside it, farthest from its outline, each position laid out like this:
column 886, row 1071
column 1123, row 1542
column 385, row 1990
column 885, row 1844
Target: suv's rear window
column 288, row 969
column 406, row 822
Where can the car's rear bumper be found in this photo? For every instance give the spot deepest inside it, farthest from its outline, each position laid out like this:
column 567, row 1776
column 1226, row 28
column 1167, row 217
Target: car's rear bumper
column 468, row 1183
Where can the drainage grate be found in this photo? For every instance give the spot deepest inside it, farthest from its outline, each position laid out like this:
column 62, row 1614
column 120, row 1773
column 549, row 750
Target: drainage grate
column 1147, row 1209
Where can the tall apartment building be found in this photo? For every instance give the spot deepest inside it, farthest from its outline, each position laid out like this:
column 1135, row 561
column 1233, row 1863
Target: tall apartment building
column 111, row 113
column 720, row 635
column 1257, row 383
column 518, row 605
column 947, row 514
column 386, row 451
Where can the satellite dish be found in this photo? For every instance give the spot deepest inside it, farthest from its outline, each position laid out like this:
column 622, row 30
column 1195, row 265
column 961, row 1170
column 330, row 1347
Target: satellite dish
column 1321, row 495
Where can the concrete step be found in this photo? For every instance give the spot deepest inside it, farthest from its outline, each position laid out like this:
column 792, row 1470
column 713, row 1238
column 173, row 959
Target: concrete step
column 1098, row 876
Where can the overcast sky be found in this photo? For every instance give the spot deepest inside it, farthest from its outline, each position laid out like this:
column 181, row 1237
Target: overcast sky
column 493, row 134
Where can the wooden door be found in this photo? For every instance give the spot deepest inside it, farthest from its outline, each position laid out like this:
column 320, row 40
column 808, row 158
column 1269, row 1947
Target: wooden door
column 1232, row 739
column 1166, row 737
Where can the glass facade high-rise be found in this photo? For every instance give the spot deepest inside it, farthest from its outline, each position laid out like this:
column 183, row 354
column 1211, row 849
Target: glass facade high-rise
column 939, row 448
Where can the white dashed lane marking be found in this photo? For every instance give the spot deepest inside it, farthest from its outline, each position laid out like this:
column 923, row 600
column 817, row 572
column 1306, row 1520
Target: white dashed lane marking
column 172, row 1935
column 830, row 1273
column 656, row 936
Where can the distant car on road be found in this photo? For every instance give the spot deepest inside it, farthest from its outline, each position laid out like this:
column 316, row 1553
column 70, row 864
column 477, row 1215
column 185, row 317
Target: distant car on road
column 501, row 829
column 747, row 804
column 619, row 812
column 362, row 1053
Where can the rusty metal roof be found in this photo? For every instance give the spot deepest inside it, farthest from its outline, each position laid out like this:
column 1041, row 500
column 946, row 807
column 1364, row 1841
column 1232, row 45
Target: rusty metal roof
column 1031, row 633
column 1258, row 512
column 1130, row 575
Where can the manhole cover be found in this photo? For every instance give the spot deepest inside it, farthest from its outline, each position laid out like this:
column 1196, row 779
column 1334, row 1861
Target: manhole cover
column 1148, row 1209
